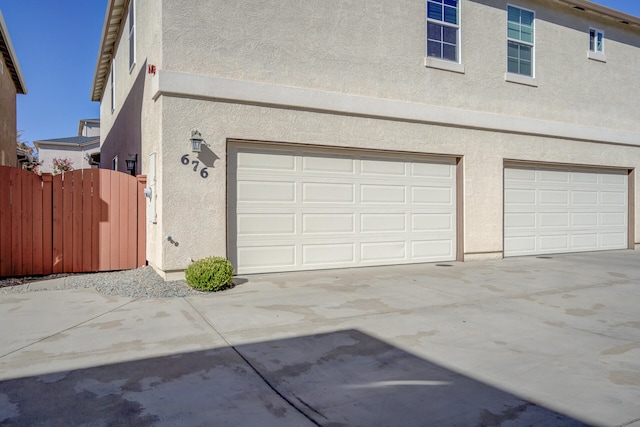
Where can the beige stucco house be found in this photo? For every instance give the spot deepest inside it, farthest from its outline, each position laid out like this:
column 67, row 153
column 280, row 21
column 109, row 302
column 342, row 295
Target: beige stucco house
column 11, row 84
column 343, row 134
column 80, row 150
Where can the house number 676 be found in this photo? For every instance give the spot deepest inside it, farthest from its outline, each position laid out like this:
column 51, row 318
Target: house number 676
column 185, row 161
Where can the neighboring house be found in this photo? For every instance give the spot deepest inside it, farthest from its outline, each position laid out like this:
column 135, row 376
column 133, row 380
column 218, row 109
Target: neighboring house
column 343, row 134
column 82, row 150
column 11, row 84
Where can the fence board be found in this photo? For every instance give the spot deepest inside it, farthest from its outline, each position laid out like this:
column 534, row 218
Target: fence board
column 5, row 222
column 47, row 224
column 58, row 226
column 141, row 221
column 16, row 228
column 36, row 231
column 86, row 218
column 80, row 221
column 27, row 223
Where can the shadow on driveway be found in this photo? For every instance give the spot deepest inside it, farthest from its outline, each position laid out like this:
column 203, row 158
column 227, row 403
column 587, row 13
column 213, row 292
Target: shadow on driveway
column 340, row 378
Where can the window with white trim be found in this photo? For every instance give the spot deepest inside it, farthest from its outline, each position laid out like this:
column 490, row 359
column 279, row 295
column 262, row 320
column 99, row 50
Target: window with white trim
column 112, row 84
column 1, row 66
column 114, row 163
column 596, row 40
column 520, row 41
column 132, row 34
column 443, row 30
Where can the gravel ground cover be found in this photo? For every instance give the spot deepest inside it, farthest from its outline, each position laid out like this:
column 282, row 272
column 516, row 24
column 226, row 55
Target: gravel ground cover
column 142, row 282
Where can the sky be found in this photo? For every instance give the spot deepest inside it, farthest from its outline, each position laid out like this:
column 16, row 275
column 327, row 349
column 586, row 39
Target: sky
column 57, row 43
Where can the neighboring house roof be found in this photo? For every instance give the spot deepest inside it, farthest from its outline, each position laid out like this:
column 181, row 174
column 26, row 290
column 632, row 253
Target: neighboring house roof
column 72, row 141
column 10, row 59
column 84, row 122
column 113, row 22
column 117, row 12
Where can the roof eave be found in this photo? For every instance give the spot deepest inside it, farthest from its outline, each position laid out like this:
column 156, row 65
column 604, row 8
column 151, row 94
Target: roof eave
column 111, row 31
column 16, row 71
column 621, row 17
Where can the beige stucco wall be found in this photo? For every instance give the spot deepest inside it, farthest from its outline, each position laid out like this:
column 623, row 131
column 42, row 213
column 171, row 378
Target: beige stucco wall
column 376, row 48
column 194, row 209
column 46, row 154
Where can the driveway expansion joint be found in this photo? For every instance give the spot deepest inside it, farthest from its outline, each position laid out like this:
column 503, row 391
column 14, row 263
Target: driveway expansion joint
column 254, row 369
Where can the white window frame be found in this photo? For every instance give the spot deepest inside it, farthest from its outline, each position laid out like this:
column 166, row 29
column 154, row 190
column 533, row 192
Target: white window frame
column 112, row 83
column 522, row 78
column 594, row 53
column 442, row 63
column 132, row 35
column 114, row 163
column 1, row 66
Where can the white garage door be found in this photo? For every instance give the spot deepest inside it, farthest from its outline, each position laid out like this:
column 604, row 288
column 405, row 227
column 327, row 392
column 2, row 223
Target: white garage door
column 306, row 209
column 571, row 210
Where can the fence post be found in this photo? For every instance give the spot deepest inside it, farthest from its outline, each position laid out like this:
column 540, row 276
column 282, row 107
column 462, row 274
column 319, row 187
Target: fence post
column 47, row 223
column 142, row 221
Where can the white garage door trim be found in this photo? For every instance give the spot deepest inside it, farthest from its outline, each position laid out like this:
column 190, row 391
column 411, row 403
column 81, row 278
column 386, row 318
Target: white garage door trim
column 308, row 208
column 551, row 210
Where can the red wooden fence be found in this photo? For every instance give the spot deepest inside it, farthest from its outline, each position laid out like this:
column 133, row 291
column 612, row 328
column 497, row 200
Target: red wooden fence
column 81, row 221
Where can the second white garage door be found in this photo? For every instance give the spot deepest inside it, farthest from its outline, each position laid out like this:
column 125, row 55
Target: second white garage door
column 305, row 209
column 572, row 210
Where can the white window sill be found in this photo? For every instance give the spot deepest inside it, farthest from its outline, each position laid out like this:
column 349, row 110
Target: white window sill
column 522, row 80
column 443, row 65
column 597, row 56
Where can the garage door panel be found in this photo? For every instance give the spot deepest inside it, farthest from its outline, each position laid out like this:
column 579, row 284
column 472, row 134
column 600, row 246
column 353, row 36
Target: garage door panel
column 271, row 224
column 553, row 243
column 252, row 257
column 553, row 176
column 584, row 219
column 328, row 254
column 515, row 196
column 333, row 165
column 519, row 245
column 553, row 219
column 585, row 242
column 387, row 252
column 383, row 223
column 432, row 195
column 575, row 210
column 430, row 249
column 519, row 220
column 260, row 191
column 322, row 209
column 553, row 197
column 432, row 222
column 324, row 192
column 279, row 161
column 318, row 223
column 387, row 194
column 613, row 240
column 432, row 170
column 382, row 167
column 589, row 198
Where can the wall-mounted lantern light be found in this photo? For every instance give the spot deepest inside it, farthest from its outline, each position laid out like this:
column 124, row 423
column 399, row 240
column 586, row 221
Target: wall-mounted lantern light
column 196, row 141
column 131, row 163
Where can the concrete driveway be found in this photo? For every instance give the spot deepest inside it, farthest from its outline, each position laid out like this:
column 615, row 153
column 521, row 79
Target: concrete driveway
column 522, row 341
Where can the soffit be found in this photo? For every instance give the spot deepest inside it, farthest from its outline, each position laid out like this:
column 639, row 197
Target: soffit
column 111, row 30
column 10, row 59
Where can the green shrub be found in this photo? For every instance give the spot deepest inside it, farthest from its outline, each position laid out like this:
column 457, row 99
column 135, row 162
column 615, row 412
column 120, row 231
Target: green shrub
column 209, row 274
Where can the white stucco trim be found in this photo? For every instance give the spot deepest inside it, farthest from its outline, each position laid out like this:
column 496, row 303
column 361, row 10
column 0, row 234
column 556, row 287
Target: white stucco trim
column 597, row 56
column 522, row 80
column 444, row 65
column 170, row 83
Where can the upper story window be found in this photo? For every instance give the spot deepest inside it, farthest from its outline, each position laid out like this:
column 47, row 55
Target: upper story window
column 132, row 34
column 520, row 41
column 443, row 30
column 596, row 40
column 596, row 45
